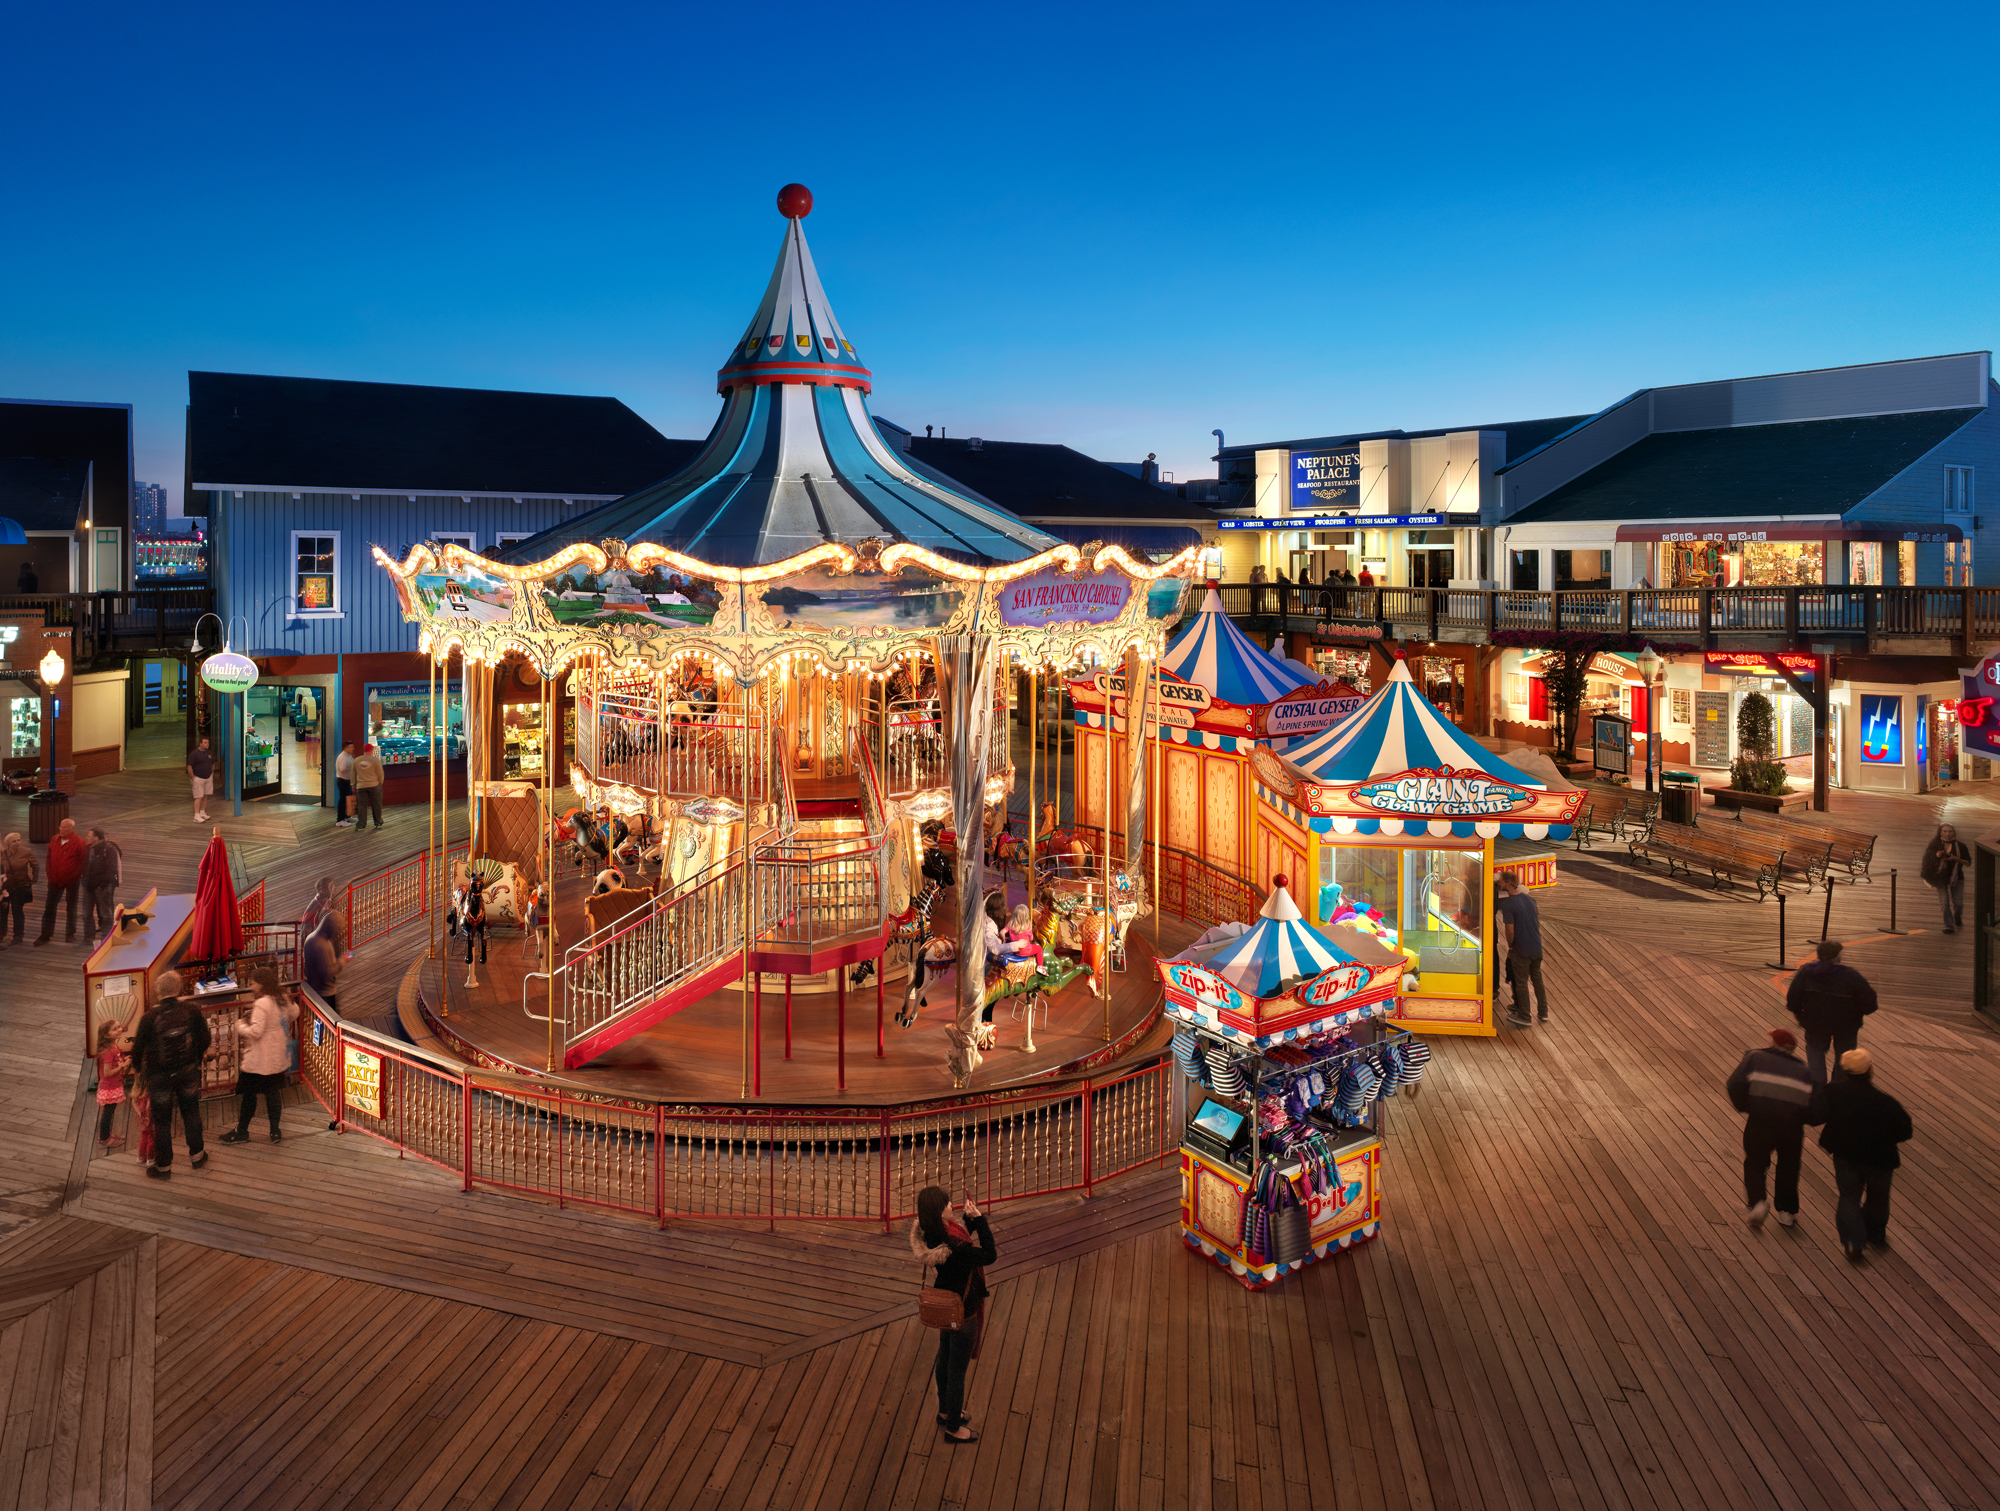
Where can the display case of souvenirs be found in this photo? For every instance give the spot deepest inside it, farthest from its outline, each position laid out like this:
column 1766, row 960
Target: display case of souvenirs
column 24, row 727
column 522, row 750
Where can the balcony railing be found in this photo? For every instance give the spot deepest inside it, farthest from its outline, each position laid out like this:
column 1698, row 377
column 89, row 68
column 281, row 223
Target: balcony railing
column 1964, row 615
column 145, row 617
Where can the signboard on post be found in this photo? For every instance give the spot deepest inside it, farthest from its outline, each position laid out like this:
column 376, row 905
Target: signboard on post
column 1611, row 743
column 361, row 1080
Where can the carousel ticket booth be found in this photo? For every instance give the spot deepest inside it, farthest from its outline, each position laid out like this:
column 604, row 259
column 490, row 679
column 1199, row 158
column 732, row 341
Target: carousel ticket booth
column 1390, row 820
column 785, row 661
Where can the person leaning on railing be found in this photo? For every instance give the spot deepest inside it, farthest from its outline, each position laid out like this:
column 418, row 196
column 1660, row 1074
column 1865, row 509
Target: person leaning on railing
column 320, row 962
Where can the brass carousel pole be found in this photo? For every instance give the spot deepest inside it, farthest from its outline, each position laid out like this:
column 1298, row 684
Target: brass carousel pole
column 1034, row 813
column 550, row 746
column 1104, row 938
column 1159, row 805
column 749, row 922
column 430, row 809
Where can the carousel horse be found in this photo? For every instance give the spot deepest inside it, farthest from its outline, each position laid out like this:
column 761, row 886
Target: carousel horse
column 914, row 930
column 639, row 843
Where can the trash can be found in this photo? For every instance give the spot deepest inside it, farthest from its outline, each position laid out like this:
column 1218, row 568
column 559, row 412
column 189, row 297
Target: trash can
column 46, row 811
column 1680, row 795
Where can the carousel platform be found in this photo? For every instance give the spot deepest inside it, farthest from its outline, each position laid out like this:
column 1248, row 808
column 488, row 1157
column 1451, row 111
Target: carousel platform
column 697, row 1055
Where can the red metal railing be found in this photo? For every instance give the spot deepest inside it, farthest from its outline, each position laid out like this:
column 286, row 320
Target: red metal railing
column 250, row 906
column 768, row 1164
column 399, row 892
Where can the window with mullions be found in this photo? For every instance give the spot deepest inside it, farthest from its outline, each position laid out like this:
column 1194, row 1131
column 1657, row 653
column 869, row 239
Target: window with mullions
column 316, row 572
column 1958, row 490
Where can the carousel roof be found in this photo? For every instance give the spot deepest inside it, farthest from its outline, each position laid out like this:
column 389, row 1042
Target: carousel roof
column 1213, row 652
column 795, row 460
column 1397, row 730
column 1278, row 951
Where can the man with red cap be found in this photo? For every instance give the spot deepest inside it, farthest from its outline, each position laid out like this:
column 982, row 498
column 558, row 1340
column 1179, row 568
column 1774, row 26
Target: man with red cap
column 1775, row 1089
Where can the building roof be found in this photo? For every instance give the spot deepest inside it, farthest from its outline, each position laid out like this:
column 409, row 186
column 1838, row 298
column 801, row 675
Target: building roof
column 1761, row 471
column 43, row 493
column 795, row 460
column 1523, row 436
column 253, row 431
column 1053, row 484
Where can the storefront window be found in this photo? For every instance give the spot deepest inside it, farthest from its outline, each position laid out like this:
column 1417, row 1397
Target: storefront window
column 522, row 756
column 1583, row 569
column 1337, row 664
column 1434, row 899
column 1783, row 563
column 1690, row 566
column 1864, row 562
column 1525, row 571
column 400, row 720
column 24, row 727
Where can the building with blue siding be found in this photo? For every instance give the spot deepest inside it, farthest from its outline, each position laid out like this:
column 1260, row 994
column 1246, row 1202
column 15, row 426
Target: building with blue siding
column 298, row 478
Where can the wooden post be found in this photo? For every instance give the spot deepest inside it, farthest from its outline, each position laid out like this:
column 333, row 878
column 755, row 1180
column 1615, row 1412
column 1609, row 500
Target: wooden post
column 840, row 992
column 1707, row 616
column 1791, row 619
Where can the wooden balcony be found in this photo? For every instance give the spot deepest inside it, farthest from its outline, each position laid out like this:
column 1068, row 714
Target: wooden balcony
column 1903, row 620
column 145, row 619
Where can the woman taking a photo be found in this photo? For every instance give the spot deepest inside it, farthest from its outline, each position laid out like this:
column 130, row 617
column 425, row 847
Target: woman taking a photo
column 1945, row 862
column 958, row 1243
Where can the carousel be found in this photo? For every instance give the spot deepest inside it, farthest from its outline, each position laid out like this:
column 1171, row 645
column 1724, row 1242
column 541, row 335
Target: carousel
column 786, row 674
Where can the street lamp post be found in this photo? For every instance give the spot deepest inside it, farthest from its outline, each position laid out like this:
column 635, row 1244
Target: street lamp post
column 1650, row 662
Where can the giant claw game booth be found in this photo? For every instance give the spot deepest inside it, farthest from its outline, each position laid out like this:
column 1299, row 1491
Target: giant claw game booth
column 1390, row 819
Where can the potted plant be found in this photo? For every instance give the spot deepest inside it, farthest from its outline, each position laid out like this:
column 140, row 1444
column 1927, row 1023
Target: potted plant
column 1757, row 779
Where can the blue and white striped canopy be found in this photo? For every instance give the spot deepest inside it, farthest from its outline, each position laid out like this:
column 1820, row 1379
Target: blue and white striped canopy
column 1213, row 652
column 1398, row 730
column 1280, row 950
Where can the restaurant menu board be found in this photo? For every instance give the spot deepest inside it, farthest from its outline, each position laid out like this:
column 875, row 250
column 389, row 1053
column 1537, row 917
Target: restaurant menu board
column 1711, row 729
column 1610, row 743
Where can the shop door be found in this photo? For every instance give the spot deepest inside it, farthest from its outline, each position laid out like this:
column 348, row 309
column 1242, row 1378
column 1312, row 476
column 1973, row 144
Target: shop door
column 1431, row 568
column 263, row 741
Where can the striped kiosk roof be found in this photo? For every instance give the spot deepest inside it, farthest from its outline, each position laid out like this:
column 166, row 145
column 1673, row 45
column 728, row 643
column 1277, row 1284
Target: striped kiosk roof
column 1398, row 730
column 1278, row 952
column 1215, row 654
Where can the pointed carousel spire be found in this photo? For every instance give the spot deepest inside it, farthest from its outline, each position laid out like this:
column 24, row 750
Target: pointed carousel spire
column 794, row 337
column 795, row 459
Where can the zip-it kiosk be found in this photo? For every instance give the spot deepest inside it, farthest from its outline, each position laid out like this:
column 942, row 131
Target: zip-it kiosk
column 1284, row 1031
column 1390, row 818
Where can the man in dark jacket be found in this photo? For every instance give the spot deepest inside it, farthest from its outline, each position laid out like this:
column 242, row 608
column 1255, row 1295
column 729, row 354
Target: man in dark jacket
column 103, row 874
column 1777, row 1092
column 1829, row 1000
column 1863, row 1128
column 167, row 1050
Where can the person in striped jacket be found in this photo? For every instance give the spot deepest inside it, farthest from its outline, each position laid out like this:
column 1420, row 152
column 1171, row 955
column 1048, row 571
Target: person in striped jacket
column 1776, row 1091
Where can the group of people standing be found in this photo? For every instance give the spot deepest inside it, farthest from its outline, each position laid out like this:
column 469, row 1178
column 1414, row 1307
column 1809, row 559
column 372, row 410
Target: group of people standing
column 94, row 867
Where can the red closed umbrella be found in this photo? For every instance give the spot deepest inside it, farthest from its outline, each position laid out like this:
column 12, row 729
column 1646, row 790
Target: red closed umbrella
column 217, row 931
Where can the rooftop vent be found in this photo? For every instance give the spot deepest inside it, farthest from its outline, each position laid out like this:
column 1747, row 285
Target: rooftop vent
column 975, row 444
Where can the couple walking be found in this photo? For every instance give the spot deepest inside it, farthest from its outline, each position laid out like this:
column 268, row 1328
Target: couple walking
column 1861, row 1127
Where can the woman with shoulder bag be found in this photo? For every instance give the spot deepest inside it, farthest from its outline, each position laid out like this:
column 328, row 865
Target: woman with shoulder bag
column 1944, row 867
column 955, row 1245
column 22, row 872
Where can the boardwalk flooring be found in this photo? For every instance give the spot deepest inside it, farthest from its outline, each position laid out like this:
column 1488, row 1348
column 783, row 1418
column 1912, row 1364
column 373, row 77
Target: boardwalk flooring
column 1564, row 1309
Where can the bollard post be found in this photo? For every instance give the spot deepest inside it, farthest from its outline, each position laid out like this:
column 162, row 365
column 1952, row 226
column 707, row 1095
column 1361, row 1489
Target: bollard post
column 1826, row 919
column 1892, row 929
column 1780, row 964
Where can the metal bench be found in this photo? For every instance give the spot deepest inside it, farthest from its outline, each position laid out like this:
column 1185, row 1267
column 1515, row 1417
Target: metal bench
column 1808, row 847
column 1724, row 856
column 1621, row 812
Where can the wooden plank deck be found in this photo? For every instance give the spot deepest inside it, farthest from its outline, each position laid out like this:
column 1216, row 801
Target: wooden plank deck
column 1564, row 1309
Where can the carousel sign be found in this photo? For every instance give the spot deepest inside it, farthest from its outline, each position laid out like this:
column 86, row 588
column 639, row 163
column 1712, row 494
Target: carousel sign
column 1441, row 793
column 1051, row 598
column 1202, row 988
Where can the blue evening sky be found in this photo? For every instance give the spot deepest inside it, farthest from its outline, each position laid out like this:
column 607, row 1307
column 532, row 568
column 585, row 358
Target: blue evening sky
column 1115, row 227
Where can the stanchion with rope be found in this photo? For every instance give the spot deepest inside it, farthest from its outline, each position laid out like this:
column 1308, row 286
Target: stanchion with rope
column 1826, row 919
column 1780, row 964
column 1892, row 929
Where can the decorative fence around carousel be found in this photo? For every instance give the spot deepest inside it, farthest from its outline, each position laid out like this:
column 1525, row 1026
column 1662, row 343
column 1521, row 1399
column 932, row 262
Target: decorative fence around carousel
column 772, row 1164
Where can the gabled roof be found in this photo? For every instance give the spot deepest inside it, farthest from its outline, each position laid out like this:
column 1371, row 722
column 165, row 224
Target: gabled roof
column 252, row 431
column 1818, row 467
column 1523, row 436
column 1044, row 483
column 43, row 493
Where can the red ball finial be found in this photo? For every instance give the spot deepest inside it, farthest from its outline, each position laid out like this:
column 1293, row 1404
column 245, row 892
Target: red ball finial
column 795, row 201
column 1281, row 880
